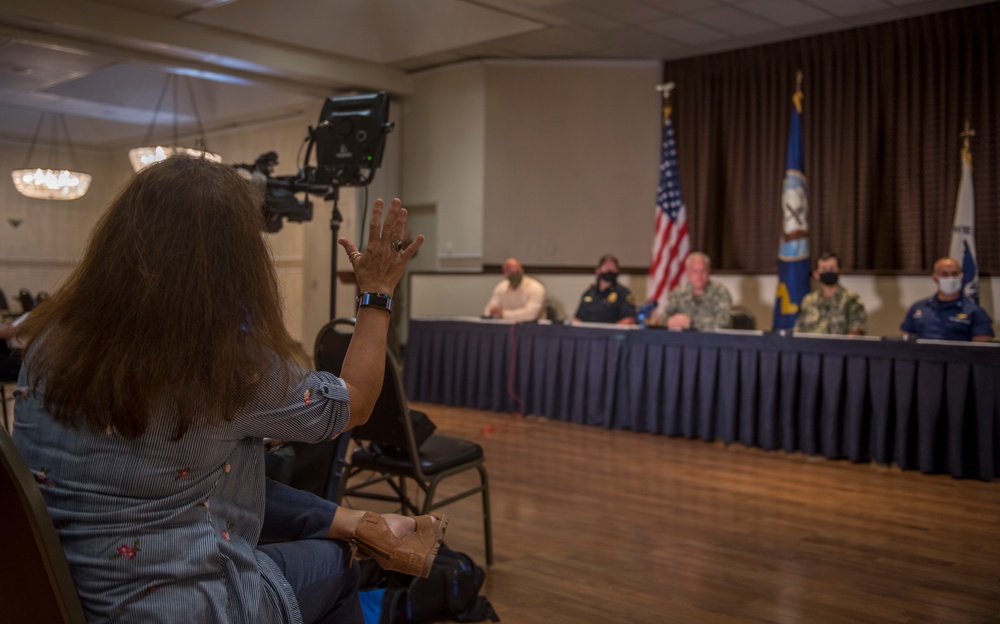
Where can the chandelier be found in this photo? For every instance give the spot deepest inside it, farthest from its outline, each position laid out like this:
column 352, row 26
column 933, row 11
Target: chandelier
column 45, row 182
column 141, row 157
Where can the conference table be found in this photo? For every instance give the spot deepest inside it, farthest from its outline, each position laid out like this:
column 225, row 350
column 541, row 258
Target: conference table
column 923, row 405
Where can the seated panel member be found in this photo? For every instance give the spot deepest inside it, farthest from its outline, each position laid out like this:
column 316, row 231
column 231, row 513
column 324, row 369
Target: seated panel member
column 518, row 297
column 831, row 309
column 606, row 301
column 948, row 314
column 701, row 303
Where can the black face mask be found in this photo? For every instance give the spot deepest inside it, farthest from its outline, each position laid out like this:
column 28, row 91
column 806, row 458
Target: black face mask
column 829, row 278
column 515, row 279
column 609, row 276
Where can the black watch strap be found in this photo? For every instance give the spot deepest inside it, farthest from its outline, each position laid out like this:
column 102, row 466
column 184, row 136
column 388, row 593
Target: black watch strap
column 376, row 300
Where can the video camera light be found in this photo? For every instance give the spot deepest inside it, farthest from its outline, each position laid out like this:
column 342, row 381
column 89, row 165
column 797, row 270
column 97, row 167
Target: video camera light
column 350, row 138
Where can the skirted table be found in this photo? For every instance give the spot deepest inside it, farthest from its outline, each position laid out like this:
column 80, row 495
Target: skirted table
column 932, row 407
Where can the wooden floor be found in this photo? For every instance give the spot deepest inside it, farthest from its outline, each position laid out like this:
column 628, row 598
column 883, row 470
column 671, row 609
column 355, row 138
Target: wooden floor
column 611, row 526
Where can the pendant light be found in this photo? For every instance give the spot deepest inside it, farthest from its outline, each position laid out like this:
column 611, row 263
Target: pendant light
column 46, row 182
column 140, row 157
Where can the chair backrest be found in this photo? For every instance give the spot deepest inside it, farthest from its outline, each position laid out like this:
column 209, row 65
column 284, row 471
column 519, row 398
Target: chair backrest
column 389, row 424
column 742, row 318
column 3, row 302
column 35, row 581
column 331, row 345
column 26, row 300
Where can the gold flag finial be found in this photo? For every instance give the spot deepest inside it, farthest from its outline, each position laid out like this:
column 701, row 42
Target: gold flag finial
column 665, row 90
column 967, row 134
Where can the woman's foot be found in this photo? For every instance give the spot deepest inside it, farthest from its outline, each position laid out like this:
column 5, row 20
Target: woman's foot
column 401, row 543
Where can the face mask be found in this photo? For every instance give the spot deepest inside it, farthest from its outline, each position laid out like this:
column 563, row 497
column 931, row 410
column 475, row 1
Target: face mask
column 829, row 278
column 515, row 278
column 609, row 276
column 949, row 286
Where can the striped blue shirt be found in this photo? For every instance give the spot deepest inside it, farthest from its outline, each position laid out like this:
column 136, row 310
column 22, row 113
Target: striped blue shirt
column 163, row 530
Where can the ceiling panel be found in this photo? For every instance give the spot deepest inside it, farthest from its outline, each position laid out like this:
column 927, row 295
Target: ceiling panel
column 686, row 31
column 734, row 21
column 103, row 62
column 785, row 12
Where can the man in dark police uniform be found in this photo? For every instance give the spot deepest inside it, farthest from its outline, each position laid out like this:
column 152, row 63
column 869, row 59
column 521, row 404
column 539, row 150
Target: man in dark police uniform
column 948, row 314
column 606, row 301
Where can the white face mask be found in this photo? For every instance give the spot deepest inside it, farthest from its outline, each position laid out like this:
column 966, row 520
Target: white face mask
column 949, row 286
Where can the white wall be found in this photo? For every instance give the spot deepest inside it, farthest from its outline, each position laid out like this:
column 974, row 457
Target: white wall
column 886, row 298
column 443, row 160
column 572, row 157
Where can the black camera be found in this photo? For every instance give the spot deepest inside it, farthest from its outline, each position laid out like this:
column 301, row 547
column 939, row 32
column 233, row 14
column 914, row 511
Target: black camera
column 349, row 141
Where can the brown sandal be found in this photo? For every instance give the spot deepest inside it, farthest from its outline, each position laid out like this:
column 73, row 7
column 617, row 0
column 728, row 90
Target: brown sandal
column 413, row 554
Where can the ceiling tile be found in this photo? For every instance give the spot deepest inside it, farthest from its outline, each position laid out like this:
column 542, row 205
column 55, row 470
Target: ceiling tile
column 878, row 17
column 578, row 16
column 374, row 30
column 30, row 66
column 734, row 21
column 785, row 12
column 537, row 4
column 536, row 44
column 433, row 60
column 627, row 11
column 844, row 8
column 682, row 7
column 685, row 31
column 652, row 44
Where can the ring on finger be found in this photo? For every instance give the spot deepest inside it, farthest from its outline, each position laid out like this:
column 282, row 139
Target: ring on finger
column 354, row 255
column 397, row 245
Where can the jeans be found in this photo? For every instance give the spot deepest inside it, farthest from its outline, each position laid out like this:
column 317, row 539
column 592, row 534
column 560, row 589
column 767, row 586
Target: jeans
column 320, row 571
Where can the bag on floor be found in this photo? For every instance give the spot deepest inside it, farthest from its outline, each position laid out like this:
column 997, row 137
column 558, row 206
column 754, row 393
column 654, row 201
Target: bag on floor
column 451, row 592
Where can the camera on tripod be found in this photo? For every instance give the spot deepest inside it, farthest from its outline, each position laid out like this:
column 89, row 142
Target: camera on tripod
column 349, row 141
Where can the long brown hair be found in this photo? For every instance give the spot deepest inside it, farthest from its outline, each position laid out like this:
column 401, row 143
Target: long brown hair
column 176, row 299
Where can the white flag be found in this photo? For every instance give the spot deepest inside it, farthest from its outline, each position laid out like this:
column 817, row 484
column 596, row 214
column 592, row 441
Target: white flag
column 963, row 232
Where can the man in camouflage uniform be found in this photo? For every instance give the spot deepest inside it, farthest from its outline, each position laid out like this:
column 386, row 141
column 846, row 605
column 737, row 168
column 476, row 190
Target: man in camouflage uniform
column 831, row 309
column 701, row 303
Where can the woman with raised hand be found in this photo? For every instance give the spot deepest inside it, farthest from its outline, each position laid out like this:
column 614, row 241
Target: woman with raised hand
column 150, row 381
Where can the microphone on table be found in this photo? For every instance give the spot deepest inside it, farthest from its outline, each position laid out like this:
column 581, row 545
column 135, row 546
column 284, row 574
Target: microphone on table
column 644, row 311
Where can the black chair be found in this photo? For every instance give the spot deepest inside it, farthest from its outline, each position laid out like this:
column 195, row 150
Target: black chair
column 742, row 318
column 9, row 368
column 26, row 300
column 388, row 455
column 35, row 581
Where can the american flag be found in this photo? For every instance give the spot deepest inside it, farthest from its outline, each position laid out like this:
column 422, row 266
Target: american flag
column 670, row 242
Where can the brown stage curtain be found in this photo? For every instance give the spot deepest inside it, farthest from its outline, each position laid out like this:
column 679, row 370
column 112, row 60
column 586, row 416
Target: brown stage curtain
column 884, row 106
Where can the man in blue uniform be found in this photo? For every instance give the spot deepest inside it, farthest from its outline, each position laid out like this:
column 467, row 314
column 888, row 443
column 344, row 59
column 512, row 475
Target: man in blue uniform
column 948, row 314
column 606, row 301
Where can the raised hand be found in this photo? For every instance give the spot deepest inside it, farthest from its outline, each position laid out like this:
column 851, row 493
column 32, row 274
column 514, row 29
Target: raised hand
column 379, row 268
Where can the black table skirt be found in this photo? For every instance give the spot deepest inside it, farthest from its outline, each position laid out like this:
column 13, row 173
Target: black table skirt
column 920, row 406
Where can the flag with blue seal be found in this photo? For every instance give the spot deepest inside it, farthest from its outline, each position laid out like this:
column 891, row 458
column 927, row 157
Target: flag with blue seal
column 793, row 252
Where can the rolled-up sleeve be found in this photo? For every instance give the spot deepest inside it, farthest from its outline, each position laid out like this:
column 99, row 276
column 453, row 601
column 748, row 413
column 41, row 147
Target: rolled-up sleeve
column 313, row 406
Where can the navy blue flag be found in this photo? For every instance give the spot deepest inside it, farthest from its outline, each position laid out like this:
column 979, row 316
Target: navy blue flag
column 793, row 253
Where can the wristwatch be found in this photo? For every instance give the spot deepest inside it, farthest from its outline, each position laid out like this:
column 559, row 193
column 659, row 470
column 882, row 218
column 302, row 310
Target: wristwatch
column 376, row 300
